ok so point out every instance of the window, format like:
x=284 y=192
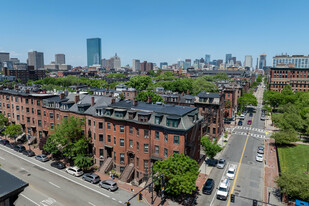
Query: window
x=176 y=152
x=165 y=152
x=51 y=115
x=108 y=138
x=89 y=122
x=137 y=132
x=122 y=129
x=176 y=139
x=114 y=127
x=28 y=119
x=101 y=152
x=108 y=125
x=9 y=116
x=146 y=133
x=17 y=117
x=137 y=146
x=16 y=99
x=146 y=164
x=58 y=116
x=39 y=112
x=52 y=125
x=32 y=110
x=44 y=113
x=32 y=119
x=27 y=109
x=114 y=140
x=101 y=137
x=122 y=142
x=115 y=157
x=214 y=130
x=38 y=102
x=131 y=143
x=131 y=130
x=157 y=134
x=137 y=162
x=17 y=108
x=156 y=149
x=146 y=148
x=165 y=137
x=157 y=120
x=122 y=169
x=172 y=122
x=94 y=136
x=121 y=157
x=27 y=101
x=100 y=125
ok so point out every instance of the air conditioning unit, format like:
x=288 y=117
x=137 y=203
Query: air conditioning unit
x=101 y=157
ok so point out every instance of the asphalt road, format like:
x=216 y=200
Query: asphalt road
x=250 y=178
x=50 y=186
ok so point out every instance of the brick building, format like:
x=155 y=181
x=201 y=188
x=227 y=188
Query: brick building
x=279 y=77
x=128 y=136
x=25 y=74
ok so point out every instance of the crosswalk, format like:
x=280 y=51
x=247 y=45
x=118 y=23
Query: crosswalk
x=250 y=129
x=251 y=135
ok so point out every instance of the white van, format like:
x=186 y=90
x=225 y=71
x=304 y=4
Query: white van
x=224 y=189
x=242 y=117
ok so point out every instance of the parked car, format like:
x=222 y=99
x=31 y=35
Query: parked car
x=212 y=162
x=42 y=158
x=75 y=171
x=109 y=185
x=259 y=158
x=58 y=165
x=239 y=123
x=231 y=172
x=249 y=122
x=250 y=114
x=93 y=178
x=208 y=186
x=260 y=150
x=19 y=148
x=242 y=116
x=11 y=145
x=4 y=141
x=29 y=153
x=263 y=118
x=221 y=164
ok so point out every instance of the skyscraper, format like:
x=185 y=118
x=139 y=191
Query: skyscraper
x=36 y=59
x=207 y=58
x=59 y=59
x=248 y=61
x=262 y=62
x=163 y=64
x=93 y=51
x=117 y=62
x=4 y=57
x=136 y=65
x=228 y=57
x=188 y=62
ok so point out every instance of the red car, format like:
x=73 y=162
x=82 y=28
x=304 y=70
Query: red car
x=249 y=122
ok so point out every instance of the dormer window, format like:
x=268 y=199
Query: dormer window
x=172 y=121
x=158 y=119
x=143 y=118
x=119 y=114
x=99 y=112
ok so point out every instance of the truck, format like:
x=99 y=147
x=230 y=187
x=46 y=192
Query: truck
x=224 y=189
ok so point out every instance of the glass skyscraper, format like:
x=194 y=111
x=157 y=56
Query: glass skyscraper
x=228 y=57
x=207 y=58
x=93 y=51
x=262 y=61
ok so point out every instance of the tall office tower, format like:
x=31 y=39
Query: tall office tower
x=188 y=61
x=219 y=62
x=234 y=60
x=248 y=61
x=36 y=59
x=4 y=57
x=136 y=65
x=104 y=63
x=228 y=57
x=93 y=51
x=180 y=64
x=117 y=62
x=202 y=60
x=207 y=58
x=143 y=66
x=59 y=59
x=299 y=61
x=262 y=62
x=196 y=63
x=163 y=64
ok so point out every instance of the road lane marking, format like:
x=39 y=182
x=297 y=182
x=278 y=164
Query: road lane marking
x=2 y=158
x=55 y=173
x=120 y=202
x=235 y=180
x=53 y=184
x=30 y=200
x=91 y=204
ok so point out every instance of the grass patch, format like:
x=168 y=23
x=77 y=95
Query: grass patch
x=294 y=159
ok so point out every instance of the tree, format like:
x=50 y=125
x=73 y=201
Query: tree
x=245 y=100
x=83 y=161
x=202 y=85
x=285 y=137
x=121 y=95
x=179 y=172
x=116 y=75
x=294 y=185
x=3 y=121
x=13 y=130
x=143 y=96
x=210 y=148
x=139 y=82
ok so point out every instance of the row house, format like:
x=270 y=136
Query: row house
x=128 y=136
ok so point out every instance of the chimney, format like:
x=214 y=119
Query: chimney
x=149 y=99
x=76 y=98
x=92 y=101
x=62 y=95
x=113 y=100
x=188 y=91
x=135 y=102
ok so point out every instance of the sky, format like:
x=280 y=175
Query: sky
x=155 y=30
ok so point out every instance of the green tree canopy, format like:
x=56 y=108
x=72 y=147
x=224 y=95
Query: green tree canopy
x=139 y=82
x=143 y=96
x=202 y=85
x=13 y=130
x=83 y=161
x=210 y=148
x=116 y=75
x=285 y=137
x=246 y=100
x=3 y=120
x=180 y=173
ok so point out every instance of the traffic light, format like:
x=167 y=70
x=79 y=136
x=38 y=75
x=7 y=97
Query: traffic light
x=232 y=198
x=128 y=203
x=140 y=196
x=255 y=202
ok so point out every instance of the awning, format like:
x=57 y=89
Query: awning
x=108 y=146
x=155 y=158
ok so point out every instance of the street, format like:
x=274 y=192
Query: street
x=241 y=150
x=50 y=186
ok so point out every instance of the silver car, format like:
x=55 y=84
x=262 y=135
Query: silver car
x=42 y=158
x=221 y=164
x=109 y=185
x=93 y=178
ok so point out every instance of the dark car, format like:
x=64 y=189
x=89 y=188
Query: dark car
x=208 y=186
x=212 y=162
x=29 y=153
x=19 y=148
x=249 y=122
x=109 y=185
x=4 y=141
x=250 y=114
x=240 y=123
x=58 y=165
x=11 y=145
x=93 y=178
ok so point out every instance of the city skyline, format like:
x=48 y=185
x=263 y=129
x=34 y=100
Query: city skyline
x=158 y=38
